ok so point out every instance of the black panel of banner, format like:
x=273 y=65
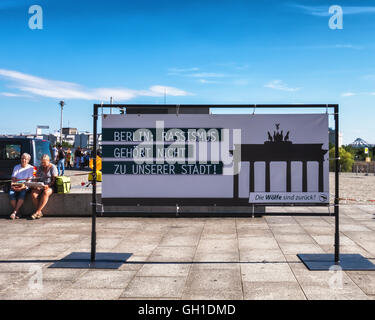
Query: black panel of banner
x=131 y=167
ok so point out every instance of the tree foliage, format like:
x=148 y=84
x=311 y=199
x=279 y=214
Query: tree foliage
x=346 y=160
x=66 y=145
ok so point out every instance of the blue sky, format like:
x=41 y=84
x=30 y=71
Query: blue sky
x=222 y=51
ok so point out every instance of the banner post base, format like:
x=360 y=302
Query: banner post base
x=82 y=260
x=353 y=262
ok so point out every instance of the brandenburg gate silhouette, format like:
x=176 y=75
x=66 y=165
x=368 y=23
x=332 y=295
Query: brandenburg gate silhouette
x=279 y=148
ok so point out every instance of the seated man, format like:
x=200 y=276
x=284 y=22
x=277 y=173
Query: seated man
x=21 y=172
x=46 y=173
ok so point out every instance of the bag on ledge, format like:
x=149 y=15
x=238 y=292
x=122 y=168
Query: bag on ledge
x=63 y=184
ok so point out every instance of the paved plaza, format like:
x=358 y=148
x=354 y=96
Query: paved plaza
x=188 y=258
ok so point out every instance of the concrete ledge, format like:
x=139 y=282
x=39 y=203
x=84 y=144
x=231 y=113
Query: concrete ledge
x=71 y=204
x=79 y=205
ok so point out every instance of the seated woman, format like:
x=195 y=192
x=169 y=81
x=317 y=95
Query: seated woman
x=21 y=173
x=46 y=173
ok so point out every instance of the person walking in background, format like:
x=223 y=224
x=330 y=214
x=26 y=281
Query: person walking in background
x=17 y=193
x=68 y=159
x=82 y=161
x=77 y=157
x=54 y=154
x=86 y=159
x=60 y=160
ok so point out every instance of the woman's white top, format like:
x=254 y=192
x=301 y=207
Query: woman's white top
x=23 y=173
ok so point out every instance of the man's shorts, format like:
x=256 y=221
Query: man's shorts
x=20 y=195
x=54 y=190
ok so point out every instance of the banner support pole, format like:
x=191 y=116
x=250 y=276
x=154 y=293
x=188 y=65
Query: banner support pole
x=94 y=152
x=337 y=165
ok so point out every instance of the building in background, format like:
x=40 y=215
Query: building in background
x=40 y=135
x=69 y=131
x=39 y=129
x=76 y=138
x=50 y=137
x=68 y=135
x=332 y=137
x=83 y=140
x=72 y=136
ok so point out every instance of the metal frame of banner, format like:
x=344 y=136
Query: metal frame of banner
x=311 y=261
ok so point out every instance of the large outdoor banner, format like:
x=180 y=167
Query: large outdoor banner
x=195 y=159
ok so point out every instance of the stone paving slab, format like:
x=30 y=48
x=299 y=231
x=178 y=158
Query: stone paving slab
x=104 y=279
x=24 y=291
x=172 y=269
x=182 y=258
x=214 y=283
x=90 y=294
x=155 y=287
x=267 y=272
x=259 y=255
x=364 y=280
x=271 y=291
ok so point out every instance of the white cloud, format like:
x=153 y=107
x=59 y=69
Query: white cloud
x=119 y=94
x=348 y=46
x=236 y=82
x=358 y=10
x=348 y=94
x=212 y=77
x=351 y=94
x=183 y=69
x=280 y=85
x=157 y=91
x=205 y=81
x=241 y=82
x=322 y=11
x=192 y=72
x=68 y=90
x=207 y=75
x=10 y=94
x=234 y=65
